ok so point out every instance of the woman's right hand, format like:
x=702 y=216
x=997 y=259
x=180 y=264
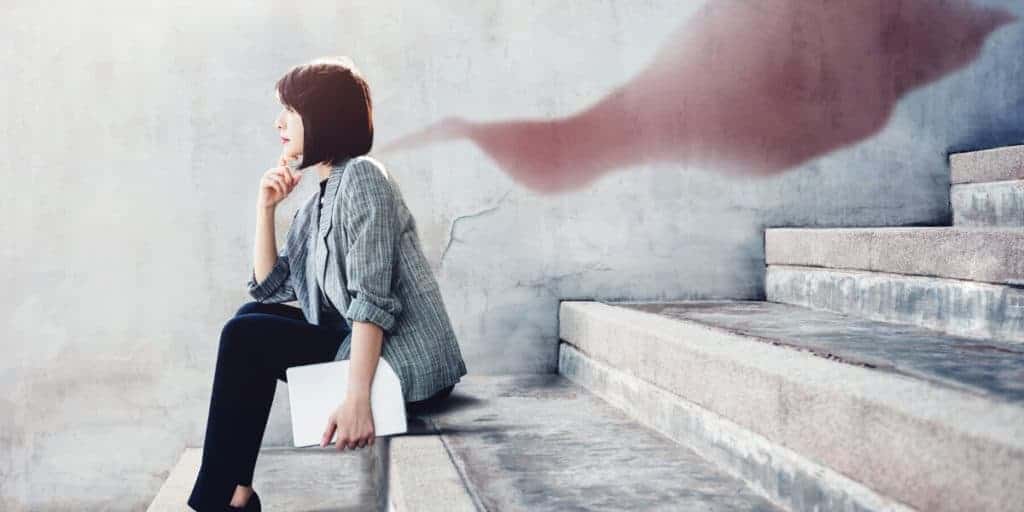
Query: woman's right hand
x=277 y=183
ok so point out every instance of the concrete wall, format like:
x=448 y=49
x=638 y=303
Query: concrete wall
x=134 y=136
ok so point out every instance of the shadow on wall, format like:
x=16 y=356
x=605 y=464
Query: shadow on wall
x=744 y=88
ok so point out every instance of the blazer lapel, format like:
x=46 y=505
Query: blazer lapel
x=324 y=223
x=299 y=240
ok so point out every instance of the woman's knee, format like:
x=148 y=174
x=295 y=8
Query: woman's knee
x=249 y=307
x=237 y=331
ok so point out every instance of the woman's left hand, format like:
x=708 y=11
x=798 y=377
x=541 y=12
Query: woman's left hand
x=353 y=422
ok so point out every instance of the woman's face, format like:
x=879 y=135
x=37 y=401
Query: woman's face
x=289 y=128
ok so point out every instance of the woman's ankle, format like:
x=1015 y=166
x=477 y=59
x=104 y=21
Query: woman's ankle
x=241 y=496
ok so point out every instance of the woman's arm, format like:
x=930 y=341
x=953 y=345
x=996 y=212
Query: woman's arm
x=269 y=279
x=367 y=343
x=371 y=222
x=265 y=250
x=353 y=419
x=371 y=225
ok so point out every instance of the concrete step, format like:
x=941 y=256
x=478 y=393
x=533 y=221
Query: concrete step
x=421 y=474
x=988 y=255
x=964 y=308
x=996 y=164
x=818 y=411
x=298 y=479
x=996 y=203
x=539 y=442
x=512 y=442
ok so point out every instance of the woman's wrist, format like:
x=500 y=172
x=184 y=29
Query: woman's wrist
x=359 y=393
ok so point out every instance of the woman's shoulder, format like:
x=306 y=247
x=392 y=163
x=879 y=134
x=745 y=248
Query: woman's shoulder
x=365 y=174
x=365 y=167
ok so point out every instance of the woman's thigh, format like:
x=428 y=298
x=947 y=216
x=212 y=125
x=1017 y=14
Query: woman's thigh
x=271 y=309
x=276 y=341
x=429 y=403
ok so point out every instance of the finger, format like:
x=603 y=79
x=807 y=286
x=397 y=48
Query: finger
x=280 y=185
x=291 y=178
x=328 y=432
x=282 y=175
x=340 y=441
x=271 y=184
x=268 y=181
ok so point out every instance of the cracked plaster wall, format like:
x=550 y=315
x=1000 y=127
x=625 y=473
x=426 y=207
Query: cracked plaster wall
x=135 y=136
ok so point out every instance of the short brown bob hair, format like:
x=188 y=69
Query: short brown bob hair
x=333 y=99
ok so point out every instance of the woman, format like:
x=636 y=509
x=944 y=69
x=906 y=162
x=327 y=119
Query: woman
x=354 y=263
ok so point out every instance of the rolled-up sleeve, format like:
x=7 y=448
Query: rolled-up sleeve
x=371 y=224
x=274 y=288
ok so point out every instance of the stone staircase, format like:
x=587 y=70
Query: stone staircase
x=885 y=371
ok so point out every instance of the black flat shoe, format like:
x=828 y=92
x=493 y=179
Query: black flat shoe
x=253 y=505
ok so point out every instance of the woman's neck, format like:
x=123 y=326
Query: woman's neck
x=322 y=170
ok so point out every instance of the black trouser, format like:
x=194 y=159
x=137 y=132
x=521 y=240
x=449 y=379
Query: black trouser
x=256 y=347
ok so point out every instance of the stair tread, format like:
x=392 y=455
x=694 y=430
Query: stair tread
x=988 y=368
x=286 y=478
x=984 y=165
x=542 y=442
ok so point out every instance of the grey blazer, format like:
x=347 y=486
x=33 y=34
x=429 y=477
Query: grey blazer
x=364 y=253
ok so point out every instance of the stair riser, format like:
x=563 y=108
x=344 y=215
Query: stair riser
x=895 y=435
x=421 y=476
x=962 y=308
x=777 y=473
x=997 y=204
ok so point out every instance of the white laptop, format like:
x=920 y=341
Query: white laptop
x=316 y=390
